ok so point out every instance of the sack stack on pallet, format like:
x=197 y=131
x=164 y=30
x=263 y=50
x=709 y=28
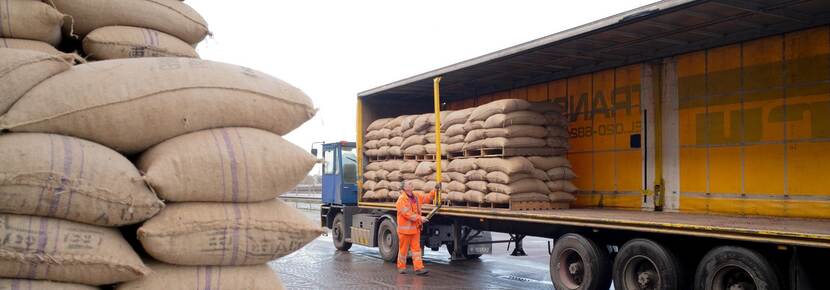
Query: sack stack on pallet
x=482 y=169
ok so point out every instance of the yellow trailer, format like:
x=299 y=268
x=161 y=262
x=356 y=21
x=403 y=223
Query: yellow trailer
x=699 y=131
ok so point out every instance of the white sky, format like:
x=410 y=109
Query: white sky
x=334 y=49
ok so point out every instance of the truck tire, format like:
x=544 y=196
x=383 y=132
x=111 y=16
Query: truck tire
x=644 y=264
x=726 y=267
x=388 y=241
x=577 y=263
x=338 y=233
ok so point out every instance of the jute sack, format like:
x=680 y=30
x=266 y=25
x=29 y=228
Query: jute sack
x=557 y=142
x=474 y=145
x=498 y=107
x=559 y=196
x=396 y=141
x=453 y=139
x=430 y=138
x=21 y=70
x=395 y=151
x=383 y=184
x=172 y=277
x=396 y=132
x=394 y=180
x=475 y=135
x=59 y=250
x=462 y=165
x=415 y=150
x=504 y=178
x=529 y=196
x=433 y=149
x=514 y=142
x=369 y=184
x=517 y=131
x=395 y=122
x=409 y=176
x=559 y=173
x=225 y=165
x=168 y=16
x=28 y=19
x=456 y=130
x=112 y=42
x=422 y=122
x=509 y=165
x=477 y=185
x=457 y=176
x=455 y=147
x=383 y=142
x=548 y=162
x=424 y=168
x=496 y=197
x=378 y=124
x=476 y=175
x=29 y=45
x=382 y=193
x=521 y=186
x=373 y=166
x=515 y=118
x=369 y=195
x=227 y=234
x=14 y=284
x=394 y=194
x=456 y=196
x=381 y=173
x=73 y=179
x=142 y=102
x=557 y=131
x=383 y=151
x=416 y=183
x=391 y=165
x=371 y=144
x=474 y=196
x=412 y=141
x=556 y=119
x=561 y=185
x=407 y=122
x=456 y=118
x=469 y=126
x=457 y=186
x=540 y=175
x=409 y=166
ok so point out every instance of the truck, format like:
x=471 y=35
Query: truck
x=698 y=130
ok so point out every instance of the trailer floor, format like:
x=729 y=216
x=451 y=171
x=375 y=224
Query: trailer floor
x=320 y=266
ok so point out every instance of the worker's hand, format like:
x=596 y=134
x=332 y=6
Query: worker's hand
x=438 y=186
x=424 y=220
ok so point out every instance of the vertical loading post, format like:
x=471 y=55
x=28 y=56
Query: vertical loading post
x=437 y=104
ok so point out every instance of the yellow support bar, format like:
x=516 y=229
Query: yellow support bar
x=359 y=150
x=437 y=103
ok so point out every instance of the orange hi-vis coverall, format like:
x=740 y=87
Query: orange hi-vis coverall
x=409 y=227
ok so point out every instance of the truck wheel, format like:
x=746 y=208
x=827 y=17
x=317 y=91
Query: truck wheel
x=577 y=263
x=643 y=264
x=338 y=233
x=729 y=267
x=388 y=241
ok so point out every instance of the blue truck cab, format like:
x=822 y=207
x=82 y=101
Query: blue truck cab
x=340 y=173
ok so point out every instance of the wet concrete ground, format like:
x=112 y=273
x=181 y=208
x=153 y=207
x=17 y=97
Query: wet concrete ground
x=320 y=266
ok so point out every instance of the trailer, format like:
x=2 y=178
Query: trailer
x=699 y=131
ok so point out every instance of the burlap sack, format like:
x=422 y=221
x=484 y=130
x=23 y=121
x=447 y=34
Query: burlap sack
x=228 y=234
x=558 y=142
x=548 y=162
x=132 y=104
x=225 y=165
x=15 y=284
x=28 y=19
x=515 y=142
x=415 y=150
x=456 y=130
x=391 y=165
x=444 y=165
x=395 y=122
x=474 y=145
x=540 y=174
x=469 y=126
x=422 y=122
x=520 y=186
x=59 y=250
x=409 y=176
x=373 y=135
x=369 y=195
x=168 y=16
x=373 y=166
x=396 y=141
x=371 y=144
x=496 y=197
x=455 y=147
x=476 y=175
x=455 y=196
x=396 y=183
x=443 y=116
x=498 y=107
x=378 y=124
x=407 y=122
x=394 y=176
x=417 y=184
x=383 y=142
x=370 y=175
x=172 y=277
x=430 y=138
x=383 y=133
x=559 y=196
x=113 y=42
x=453 y=139
x=517 y=131
x=29 y=45
x=382 y=193
x=408 y=166
x=561 y=185
x=457 y=176
x=74 y=179
x=509 y=165
x=394 y=194
x=559 y=173
x=21 y=70
x=396 y=132
x=474 y=196
x=382 y=151
x=395 y=151
x=412 y=141
x=383 y=184
x=504 y=178
x=515 y=118
x=425 y=168
x=462 y=165
x=369 y=184
x=433 y=149
x=456 y=118
x=410 y=133
x=457 y=186
x=428 y=186
x=529 y=196
x=444 y=177
x=557 y=131
x=477 y=185
x=381 y=173
x=556 y=119
x=475 y=135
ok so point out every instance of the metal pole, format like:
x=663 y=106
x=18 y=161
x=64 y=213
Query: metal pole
x=437 y=103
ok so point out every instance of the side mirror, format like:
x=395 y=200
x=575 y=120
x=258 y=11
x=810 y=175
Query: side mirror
x=314 y=152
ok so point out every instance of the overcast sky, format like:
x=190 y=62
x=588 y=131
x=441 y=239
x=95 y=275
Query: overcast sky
x=334 y=49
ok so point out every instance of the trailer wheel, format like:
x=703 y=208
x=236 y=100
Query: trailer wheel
x=338 y=233
x=451 y=248
x=388 y=241
x=577 y=263
x=729 y=267
x=643 y=264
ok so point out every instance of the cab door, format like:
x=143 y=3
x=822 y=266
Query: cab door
x=331 y=173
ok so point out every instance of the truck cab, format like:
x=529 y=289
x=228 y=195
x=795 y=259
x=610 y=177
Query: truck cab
x=350 y=223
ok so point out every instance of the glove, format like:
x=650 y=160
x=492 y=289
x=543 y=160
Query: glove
x=438 y=186
x=424 y=220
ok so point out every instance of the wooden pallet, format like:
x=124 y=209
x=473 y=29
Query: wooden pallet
x=537 y=205
x=507 y=152
x=454 y=155
x=410 y=157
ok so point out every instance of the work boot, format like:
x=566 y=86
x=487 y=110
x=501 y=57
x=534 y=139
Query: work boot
x=402 y=271
x=421 y=272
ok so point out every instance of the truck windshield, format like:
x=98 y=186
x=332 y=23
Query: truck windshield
x=349 y=165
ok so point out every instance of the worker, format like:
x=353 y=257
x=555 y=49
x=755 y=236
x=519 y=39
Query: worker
x=410 y=223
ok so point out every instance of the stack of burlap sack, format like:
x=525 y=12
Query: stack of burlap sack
x=107 y=29
x=405 y=134
x=206 y=136
x=510 y=123
x=384 y=180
